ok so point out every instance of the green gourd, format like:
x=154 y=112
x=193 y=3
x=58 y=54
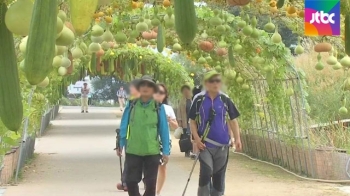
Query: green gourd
x=40 y=49
x=11 y=108
x=185 y=20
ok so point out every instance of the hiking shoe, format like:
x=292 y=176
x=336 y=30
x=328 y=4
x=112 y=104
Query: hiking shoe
x=82 y=111
x=121 y=187
x=193 y=156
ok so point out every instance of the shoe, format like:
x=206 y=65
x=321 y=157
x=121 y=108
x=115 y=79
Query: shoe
x=193 y=156
x=87 y=112
x=82 y=111
x=120 y=187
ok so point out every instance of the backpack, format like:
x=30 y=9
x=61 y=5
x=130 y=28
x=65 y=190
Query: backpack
x=132 y=105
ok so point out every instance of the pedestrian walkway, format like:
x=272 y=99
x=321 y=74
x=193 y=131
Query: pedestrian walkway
x=76 y=158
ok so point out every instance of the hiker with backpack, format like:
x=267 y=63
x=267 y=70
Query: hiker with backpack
x=134 y=94
x=144 y=125
x=212 y=115
x=162 y=97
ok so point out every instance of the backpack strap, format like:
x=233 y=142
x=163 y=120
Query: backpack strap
x=198 y=105
x=131 y=113
x=157 y=108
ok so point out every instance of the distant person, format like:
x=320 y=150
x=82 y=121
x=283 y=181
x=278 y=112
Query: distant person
x=182 y=116
x=162 y=97
x=121 y=94
x=144 y=125
x=84 y=98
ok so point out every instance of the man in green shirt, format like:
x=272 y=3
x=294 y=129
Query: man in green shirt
x=143 y=126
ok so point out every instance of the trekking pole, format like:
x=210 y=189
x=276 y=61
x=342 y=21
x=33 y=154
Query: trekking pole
x=120 y=158
x=204 y=136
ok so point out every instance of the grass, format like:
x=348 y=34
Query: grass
x=325 y=94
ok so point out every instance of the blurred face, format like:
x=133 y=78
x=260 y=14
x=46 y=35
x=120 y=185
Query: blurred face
x=160 y=95
x=186 y=92
x=121 y=88
x=85 y=85
x=146 y=89
x=134 y=92
x=213 y=84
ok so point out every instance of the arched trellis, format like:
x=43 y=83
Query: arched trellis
x=130 y=62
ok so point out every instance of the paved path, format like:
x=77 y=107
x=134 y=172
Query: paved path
x=76 y=158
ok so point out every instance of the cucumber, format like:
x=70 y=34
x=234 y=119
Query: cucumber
x=280 y=3
x=347 y=34
x=231 y=59
x=160 y=38
x=93 y=63
x=185 y=20
x=11 y=108
x=40 y=49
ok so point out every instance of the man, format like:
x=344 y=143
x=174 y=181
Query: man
x=121 y=94
x=84 y=98
x=211 y=115
x=134 y=94
x=144 y=122
x=182 y=113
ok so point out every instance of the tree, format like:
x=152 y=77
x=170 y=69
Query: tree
x=105 y=88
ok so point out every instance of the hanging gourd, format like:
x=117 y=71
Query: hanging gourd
x=81 y=12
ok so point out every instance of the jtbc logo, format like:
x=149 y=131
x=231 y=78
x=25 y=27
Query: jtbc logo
x=322 y=18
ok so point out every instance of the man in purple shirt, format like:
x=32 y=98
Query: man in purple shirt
x=211 y=115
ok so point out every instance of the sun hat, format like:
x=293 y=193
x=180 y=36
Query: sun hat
x=147 y=79
x=210 y=74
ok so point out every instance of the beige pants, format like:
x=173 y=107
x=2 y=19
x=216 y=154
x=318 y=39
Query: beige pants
x=84 y=104
x=121 y=103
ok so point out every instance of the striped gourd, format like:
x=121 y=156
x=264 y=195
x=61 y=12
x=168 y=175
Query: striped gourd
x=11 y=108
x=185 y=20
x=40 y=49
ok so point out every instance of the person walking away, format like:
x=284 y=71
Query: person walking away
x=84 y=98
x=211 y=115
x=121 y=94
x=162 y=97
x=182 y=114
x=134 y=94
x=143 y=125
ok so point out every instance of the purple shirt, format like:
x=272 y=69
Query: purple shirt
x=219 y=131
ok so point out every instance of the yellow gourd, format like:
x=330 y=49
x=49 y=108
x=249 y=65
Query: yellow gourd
x=82 y=12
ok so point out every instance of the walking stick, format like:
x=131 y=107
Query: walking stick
x=120 y=158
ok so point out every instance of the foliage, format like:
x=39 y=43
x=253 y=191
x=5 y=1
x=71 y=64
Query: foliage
x=106 y=88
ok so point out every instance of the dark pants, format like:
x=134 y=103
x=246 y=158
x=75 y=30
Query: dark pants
x=148 y=165
x=124 y=173
x=213 y=163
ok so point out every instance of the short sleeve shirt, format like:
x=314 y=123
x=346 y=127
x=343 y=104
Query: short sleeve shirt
x=218 y=131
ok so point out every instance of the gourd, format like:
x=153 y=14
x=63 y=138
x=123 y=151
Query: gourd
x=185 y=20
x=280 y=4
x=93 y=62
x=41 y=41
x=230 y=56
x=323 y=47
x=18 y=17
x=81 y=12
x=66 y=38
x=11 y=108
x=160 y=38
x=347 y=34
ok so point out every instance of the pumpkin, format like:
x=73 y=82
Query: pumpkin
x=148 y=35
x=238 y=2
x=221 y=51
x=100 y=53
x=206 y=46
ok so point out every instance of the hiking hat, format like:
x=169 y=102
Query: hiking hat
x=210 y=74
x=147 y=79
